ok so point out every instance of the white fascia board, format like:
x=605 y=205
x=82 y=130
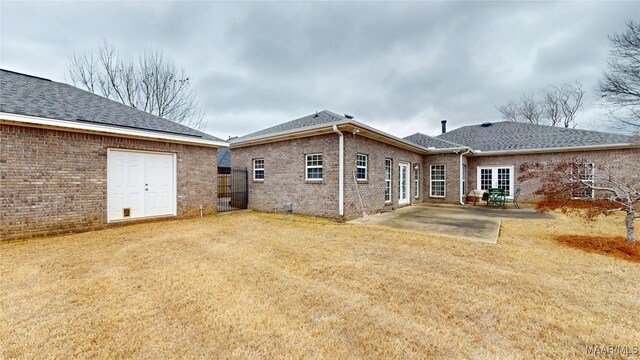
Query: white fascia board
x=329 y=128
x=116 y=131
x=558 y=149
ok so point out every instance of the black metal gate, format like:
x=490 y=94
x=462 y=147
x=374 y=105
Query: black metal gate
x=232 y=189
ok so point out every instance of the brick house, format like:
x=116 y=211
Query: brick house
x=331 y=165
x=74 y=161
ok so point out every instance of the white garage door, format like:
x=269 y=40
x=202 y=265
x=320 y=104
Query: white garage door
x=140 y=184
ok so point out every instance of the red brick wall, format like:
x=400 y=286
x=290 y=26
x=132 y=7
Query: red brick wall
x=452 y=177
x=626 y=162
x=372 y=190
x=285 y=175
x=55 y=182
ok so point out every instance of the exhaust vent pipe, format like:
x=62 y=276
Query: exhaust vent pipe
x=444 y=126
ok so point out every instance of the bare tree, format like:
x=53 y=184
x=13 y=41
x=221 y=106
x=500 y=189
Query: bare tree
x=620 y=87
x=604 y=187
x=531 y=109
x=152 y=84
x=558 y=106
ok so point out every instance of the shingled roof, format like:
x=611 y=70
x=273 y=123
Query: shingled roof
x=431 y=142
x=29 y=95
x=508 y=135
x=324 y=117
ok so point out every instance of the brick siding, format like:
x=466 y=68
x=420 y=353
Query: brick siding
x=284 y=181
x=626 y=160
x=55 y=182
x=284 y=175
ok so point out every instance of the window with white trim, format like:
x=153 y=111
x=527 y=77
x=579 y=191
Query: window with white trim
x=361 y=167
x=388 y=165
x=585 y=181
x=313 y=167
x=258 y=169
x=416 y=175
x=438 y=179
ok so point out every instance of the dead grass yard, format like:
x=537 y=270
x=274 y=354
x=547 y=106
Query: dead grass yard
x=254 y=285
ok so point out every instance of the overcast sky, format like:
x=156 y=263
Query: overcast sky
x=401 y=67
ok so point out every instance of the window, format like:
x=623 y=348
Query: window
x=585 y=180
x=258 y=169
x=387 y=180
x=314 y=167
x=437 y=187
x=416 y=175
x=361 y=167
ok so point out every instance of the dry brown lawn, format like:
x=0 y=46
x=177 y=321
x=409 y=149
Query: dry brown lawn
x=252 y=285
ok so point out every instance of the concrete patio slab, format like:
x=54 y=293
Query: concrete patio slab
x=470 y=222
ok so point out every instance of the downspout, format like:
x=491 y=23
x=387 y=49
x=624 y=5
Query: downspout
x=461 y=194
x=340 y=171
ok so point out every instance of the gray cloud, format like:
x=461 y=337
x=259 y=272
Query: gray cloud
x=398 y=66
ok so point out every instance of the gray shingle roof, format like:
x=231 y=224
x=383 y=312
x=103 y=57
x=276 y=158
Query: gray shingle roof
x=29 y=95
x=429 y=141
x=323 y=117
x=508 y=135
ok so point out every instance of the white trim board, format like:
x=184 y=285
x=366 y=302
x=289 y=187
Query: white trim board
x=106 y=129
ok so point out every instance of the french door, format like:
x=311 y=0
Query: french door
x=403 y=185
x=496 y=177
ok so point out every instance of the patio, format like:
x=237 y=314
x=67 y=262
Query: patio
x=479 y=223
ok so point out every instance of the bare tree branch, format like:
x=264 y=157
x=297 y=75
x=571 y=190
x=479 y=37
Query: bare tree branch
x=152 y=84
x=620 y=86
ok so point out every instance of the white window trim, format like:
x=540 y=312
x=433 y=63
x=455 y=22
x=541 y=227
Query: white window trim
x=389 y=181
x=255 y=169
x=365 y=167
x=416 y=181
x=592 y=181
x=444 y=181
x=307 y=167
x=511 y=178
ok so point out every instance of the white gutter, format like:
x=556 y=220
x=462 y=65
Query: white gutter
x=556 y=149
x=93 y=128
x=340 y=170
x=461 y=192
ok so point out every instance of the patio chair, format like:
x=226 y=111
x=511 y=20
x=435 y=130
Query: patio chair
x=515 y=199
x=496 y=196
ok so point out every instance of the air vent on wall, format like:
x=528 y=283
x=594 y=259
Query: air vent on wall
x=126 y=212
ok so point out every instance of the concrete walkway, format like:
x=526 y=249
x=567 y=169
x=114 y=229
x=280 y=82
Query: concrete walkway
x=479 y=223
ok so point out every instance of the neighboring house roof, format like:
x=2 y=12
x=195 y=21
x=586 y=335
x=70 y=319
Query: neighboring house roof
x=431 y=142
x=511 y=136
x=33 y=96
x=319 y=118
x=224 y=157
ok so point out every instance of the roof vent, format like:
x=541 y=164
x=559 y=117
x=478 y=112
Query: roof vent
x=486 y=124
x=316 y=115
x=348 y=116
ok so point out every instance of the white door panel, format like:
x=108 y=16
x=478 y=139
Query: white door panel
x=403 y=186
x=496 y=177
x=140 y=183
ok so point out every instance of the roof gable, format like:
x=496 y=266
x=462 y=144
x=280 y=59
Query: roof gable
x=431 y=142
x=29 y=95
x=324 y=117
x=508 y=135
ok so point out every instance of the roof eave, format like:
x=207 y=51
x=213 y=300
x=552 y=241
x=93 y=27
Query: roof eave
x=40 y=122
x=557 y=149
x=327 y=128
